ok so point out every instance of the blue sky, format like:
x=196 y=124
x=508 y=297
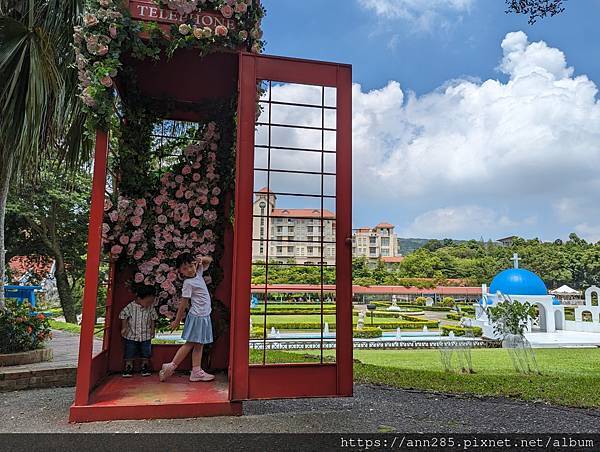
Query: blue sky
x=450 y=53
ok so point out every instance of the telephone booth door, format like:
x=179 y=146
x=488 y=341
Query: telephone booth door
x=292 y=245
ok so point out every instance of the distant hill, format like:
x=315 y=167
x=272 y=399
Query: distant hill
x=407 y=246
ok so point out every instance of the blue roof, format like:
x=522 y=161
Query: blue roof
x=518 y=281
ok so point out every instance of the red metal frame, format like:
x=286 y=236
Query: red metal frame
x=290 y=380
x=98 y=395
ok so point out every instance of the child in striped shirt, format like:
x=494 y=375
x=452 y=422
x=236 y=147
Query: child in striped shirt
x=137 y=329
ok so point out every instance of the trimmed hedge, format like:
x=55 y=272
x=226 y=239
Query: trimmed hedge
x=368 y=333
x=292 y=312
x=458 y=331
x=456 y=316
x=412 y=318
x=391 y=325
x=257 y=333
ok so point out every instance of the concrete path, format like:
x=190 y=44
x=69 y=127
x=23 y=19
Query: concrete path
x=373 y=409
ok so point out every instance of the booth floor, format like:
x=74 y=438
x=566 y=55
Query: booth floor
x=148 y=398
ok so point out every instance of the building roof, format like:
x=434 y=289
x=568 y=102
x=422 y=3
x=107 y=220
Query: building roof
x=518 y=281
x=265 y=190
x=506 y=239
x=392 y=259
x=302 y=213
x=20 y=265
x=384 y=226
x=371 y=290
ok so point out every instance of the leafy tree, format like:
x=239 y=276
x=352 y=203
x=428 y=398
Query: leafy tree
x=49 y=218
x=40 y=113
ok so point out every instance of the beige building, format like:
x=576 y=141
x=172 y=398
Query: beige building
x=379 y=242
x=294 y=235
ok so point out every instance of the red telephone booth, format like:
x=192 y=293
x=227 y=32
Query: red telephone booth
x=297 y=152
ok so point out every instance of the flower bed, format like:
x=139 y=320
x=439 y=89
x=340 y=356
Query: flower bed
x=21 y=331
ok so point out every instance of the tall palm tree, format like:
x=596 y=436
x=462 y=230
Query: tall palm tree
x=39 y=109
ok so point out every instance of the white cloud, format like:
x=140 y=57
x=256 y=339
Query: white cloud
x=475 y=158
x=423 y=15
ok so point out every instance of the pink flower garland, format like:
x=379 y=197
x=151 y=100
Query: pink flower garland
x=151 y=232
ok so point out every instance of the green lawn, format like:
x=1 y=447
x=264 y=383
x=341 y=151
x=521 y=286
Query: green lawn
x=569 y=376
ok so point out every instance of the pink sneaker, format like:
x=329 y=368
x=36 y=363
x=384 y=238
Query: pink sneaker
x=200 y=375
x=166 y=371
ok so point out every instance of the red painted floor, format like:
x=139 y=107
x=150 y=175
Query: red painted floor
x=148 y=391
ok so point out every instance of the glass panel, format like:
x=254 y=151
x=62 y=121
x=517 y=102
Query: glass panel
x=297 y=93
x=295 y=115
x=330 y=97
x=294 y=234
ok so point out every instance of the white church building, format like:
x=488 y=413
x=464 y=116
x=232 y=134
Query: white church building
x=550 y=328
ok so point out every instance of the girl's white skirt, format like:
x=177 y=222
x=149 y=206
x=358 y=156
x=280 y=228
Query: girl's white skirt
x=197 y=329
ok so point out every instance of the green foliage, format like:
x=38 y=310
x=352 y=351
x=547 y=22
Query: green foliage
x=447 y=301
x=257 y=333
x=459 y=331
x=510 y=317
x=21 y=330
x=420 y=301
x=368 y=333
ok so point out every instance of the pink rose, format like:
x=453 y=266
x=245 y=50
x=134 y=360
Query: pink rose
x=116 y=250
x=159 y=200
x=172 y=276
x=160 y=279
x=112 y=30
x=163 y=309
x=114 y=216
x=227 y=11
x=214 y=201
x=179 y=194
x=194 y=223
x=196 y=177
x=208 y=234
x=162 y=219
x=186 y=170
x=124 y=240
x=178 y=179
x=138 y=255
x=185 y=218
x=136 y=221
x=241 y=8
x=105 y=228
x=216 y=191
x=140 y=202
x=198 y=211
x=221 y=30
x=139 y=278
x=189 y=194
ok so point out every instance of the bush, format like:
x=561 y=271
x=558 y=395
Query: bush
x=447 y=301
x=22 y=331
x=421 y=301
x=459 y=331
x=257 y=333
x=437 y=308
x=368 y=333
x=454 y=316
x=467 y=308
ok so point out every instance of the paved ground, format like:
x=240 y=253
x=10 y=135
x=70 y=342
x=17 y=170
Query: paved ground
x=372 y=409
x=65 y=350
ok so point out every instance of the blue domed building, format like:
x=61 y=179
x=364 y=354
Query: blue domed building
x=520 y=285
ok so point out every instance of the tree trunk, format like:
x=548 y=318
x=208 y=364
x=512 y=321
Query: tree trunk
x=5 y=176
x=64 y=291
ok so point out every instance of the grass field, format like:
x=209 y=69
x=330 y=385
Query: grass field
x=568 y=376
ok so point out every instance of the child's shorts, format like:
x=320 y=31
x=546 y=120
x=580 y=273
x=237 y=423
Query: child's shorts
x=137 y=349
x=197 y=329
